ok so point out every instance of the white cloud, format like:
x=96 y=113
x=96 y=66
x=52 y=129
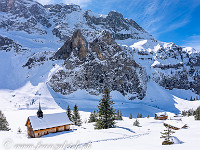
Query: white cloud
x=193 y=41
x=82 y=3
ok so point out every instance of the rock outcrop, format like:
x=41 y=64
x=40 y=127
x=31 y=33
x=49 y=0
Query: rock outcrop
x=7 y=44
x=77 y=44
x=102 y=64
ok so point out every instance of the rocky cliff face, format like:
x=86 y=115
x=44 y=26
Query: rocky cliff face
x=97 y=65
x=21 y=15
x=62 y=20
x=92 y=58
x=77 y=44
x=173 y=66
x=7 y=45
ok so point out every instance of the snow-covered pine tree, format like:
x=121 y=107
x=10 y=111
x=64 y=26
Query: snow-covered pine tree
x=93 y=117
x=106 y=112
x=141 y=115
x=166 y=135
x=76 y=119
x=191 y=98
x=138 y=115
x=136 y=123
x=3 y=122
x=130 y=116
x=197 y=113
x=69 y=113
x=120 y=116
x=117 y=115
x=184 y=113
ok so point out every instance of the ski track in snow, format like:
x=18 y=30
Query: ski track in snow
x=112 y=139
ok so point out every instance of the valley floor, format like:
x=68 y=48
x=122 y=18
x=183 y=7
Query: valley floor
x=124 y=136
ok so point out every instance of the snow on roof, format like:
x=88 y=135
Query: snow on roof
x=175 y=123
x=161 y=113
x=165 y=114
x=49 y=121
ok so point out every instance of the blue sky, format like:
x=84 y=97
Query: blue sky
x=175 y=21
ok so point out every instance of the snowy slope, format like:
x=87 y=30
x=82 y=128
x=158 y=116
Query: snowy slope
x=124 y=136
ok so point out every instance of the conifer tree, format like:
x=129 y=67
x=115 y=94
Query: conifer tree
x=3 y=122
x=69 y=113
x=130 y=116
x=141 y=115
x=93 y=117
x=120 y=116
x=76 y=116
x=138 y=115
x=166 y=135
x=184 y=113
x=106 y=112
x=117 y=116
x=197 y=113
x=191 y=98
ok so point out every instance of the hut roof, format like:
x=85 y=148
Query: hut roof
x=49 y=121
x=174 y=123
x=164 y=114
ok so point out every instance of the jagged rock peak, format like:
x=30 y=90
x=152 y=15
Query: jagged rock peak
x=62 y=7
x=76 y=44
x=104 y=46
x=79 y=44
x=115 y=14
x=102 y=64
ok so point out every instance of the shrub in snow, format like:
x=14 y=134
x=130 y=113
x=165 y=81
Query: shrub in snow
x=136 y=123
x=106 y=112
x=19 y=130
x=167 y=136
x=197 y=113
x=3 y=122
x=131 y=116
x=190 y=112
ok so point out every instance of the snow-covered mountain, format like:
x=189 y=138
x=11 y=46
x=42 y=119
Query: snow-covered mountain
x=64 y=49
